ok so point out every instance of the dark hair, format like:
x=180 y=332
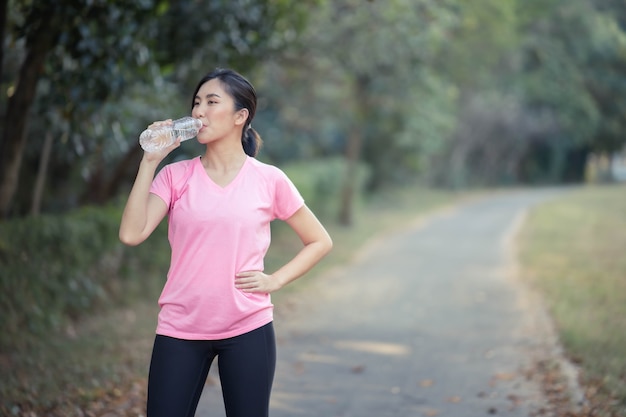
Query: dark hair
x=244 y=95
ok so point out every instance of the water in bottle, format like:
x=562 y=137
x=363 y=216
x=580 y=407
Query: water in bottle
x=158 y=138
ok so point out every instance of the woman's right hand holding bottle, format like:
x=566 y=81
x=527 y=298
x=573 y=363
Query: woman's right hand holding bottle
x=159 y=155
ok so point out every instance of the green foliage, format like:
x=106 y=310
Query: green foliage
x=413 y=81
x=57 y=268
x=320 y=182
x=555 y=52
x=235 y=33
x=553 y=66
x=480 y=42
x=606 y=82
x=368 y=90
x=95 y=52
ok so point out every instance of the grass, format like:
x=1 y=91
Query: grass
x=88 y=361
x=573 y=250
x=92 y=364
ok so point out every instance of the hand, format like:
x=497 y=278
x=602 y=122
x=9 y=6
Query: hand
x=255 y=282
x=160 y=155
x=160 y=123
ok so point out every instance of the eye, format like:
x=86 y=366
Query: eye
x=195 y=103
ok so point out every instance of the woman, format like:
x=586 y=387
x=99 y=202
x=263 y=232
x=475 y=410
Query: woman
x=216 y=301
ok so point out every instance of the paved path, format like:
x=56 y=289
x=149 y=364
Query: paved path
x=429 y=321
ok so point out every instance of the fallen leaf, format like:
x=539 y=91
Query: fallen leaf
x=504 y=376
x=431 y=412
x=514 y=399
x=456 y=399
x=358 y=369
x=425 y=383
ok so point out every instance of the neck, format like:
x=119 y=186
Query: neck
x=223 y=159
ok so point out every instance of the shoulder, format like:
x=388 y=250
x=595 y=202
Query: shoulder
x=286 y=197
x=265 y=170
x=181 y=166
x=175 y=173
x=276 y=180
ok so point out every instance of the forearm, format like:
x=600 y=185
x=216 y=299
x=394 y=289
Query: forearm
x=135 y=215
x=303 y=262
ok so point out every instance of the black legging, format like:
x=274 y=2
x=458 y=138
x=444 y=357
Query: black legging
x=179 y=368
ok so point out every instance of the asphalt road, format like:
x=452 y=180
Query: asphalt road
x=429 y=321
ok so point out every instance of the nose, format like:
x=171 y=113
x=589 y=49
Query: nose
x=198 y=111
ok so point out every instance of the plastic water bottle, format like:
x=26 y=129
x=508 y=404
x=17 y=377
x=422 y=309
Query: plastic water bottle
x=158 y=138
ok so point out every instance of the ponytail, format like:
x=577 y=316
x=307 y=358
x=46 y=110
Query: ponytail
x=251 y=141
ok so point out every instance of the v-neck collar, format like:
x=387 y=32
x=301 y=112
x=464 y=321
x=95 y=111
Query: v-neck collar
x=231 y=183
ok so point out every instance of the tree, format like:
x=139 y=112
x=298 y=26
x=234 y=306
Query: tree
x=605 y=79
x=571 y=66
x=83 y=54
x=363 y=92
x=39 y=41
x=46 y=27
x=537 y=83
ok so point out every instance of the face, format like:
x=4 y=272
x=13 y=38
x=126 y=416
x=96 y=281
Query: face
x=216 y=109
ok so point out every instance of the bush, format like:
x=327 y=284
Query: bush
x=55 y=268
x=320 y=182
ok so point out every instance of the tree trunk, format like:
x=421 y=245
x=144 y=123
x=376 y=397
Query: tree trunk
x=42 y=173
x=18 y=107
x=100 y=189
x=353 y=153
x=125 y=169
x=457 y=167
x=351 y=176
x=3 y=24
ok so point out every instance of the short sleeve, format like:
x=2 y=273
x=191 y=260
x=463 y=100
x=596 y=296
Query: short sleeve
x=287 y=198
x=170 y=183
x=162 y=185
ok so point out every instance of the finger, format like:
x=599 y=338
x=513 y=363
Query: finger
x=246 y=287
x=160 y=123
x=244 y=274
x=245 y=281
x=176 y=144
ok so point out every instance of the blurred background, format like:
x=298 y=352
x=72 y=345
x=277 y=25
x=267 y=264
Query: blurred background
x=446 y=93
x=356 y=98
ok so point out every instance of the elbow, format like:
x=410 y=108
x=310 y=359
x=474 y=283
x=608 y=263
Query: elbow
x=321 y=246
x=328 y=245
x=128 y=240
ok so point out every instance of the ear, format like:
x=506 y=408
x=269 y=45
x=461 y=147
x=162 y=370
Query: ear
x=241 y=116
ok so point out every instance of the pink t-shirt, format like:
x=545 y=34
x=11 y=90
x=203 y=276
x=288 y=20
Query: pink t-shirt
x=216 y=232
